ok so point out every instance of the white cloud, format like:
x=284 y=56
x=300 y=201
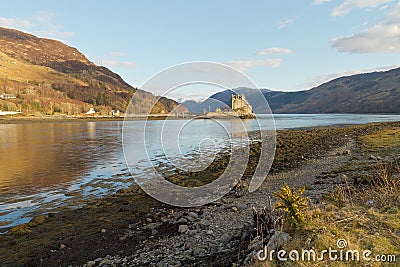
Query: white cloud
x=345 y=7
x=117 y=64
x=341 y=9
x=326 y=78
x=318 y=2
x=54 y=34
x=274 y=51
x=380 y=38
x=116 y=54
x=46 y=27
x=285 y=23
x=42 y=25
x=244 y=65
x=15 y=23
x=113 y=60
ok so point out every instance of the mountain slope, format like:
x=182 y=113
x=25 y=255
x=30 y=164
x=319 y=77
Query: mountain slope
x=50 y=77
x=377 y=92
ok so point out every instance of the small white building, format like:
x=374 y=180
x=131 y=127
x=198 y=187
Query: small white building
x=115 y=113
x=5 y=96
x=91 y=111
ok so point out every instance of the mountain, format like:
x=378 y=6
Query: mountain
x=223 y=99
x=49 y=77
x=377 y=92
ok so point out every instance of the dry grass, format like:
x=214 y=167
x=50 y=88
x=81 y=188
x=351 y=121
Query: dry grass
x=16 y=70
x=383 y=139
x=368 y=218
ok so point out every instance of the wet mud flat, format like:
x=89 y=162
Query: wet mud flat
x=76 y=236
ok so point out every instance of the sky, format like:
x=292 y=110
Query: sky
x=281 y=45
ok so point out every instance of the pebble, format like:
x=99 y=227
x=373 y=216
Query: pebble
x=370 y=203
x=346 y=152
x=181 y=221
x=193 y=215
x=241 y=207
x=183 y=228
x=103 y=230
x=191 y=219
x=152 y=226
x=234 y=209
x=204 y=223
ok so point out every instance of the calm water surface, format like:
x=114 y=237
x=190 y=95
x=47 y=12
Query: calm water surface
x=46 y=166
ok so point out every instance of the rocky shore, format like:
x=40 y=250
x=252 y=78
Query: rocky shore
x=130 y=228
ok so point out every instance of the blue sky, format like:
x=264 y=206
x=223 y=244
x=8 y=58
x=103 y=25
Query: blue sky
x=283 y=45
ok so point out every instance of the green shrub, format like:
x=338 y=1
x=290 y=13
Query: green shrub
x=293 y=204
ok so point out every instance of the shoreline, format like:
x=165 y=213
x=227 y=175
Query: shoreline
x=81 y=230
x=88 y=118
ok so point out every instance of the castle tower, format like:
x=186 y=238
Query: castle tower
x=240 y=105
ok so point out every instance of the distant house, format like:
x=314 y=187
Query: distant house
x=115 y=113
x=5 y=96
x=91 y=111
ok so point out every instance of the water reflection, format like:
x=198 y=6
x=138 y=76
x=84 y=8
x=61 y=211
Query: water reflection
x=43 y=155
x=41 y=163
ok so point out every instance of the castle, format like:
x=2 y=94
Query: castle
x=239 y=108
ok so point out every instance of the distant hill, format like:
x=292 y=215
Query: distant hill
x=377 y=92
x=49 y=77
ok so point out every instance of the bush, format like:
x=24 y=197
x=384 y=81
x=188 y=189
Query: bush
x=293 y=204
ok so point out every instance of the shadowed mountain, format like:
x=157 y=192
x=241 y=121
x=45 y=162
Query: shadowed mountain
x=377 y=92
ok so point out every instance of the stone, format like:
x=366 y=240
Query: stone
x=90 y=264
x=372 y=157
x=204 y=223
x=241 y=207
x=255 y=244
x=234 y=209
x=149 y=220
x=210 y=232
x=103 y=230
x=152 y=226
x=340 y=179
x=193 y=215
x=370 y=203
x=183 y=228
x=346 y=152
x=62 y=246
x=37 y=220
x=181 y=221
x=191 y=219
x=277 y=240
x=226 y=238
